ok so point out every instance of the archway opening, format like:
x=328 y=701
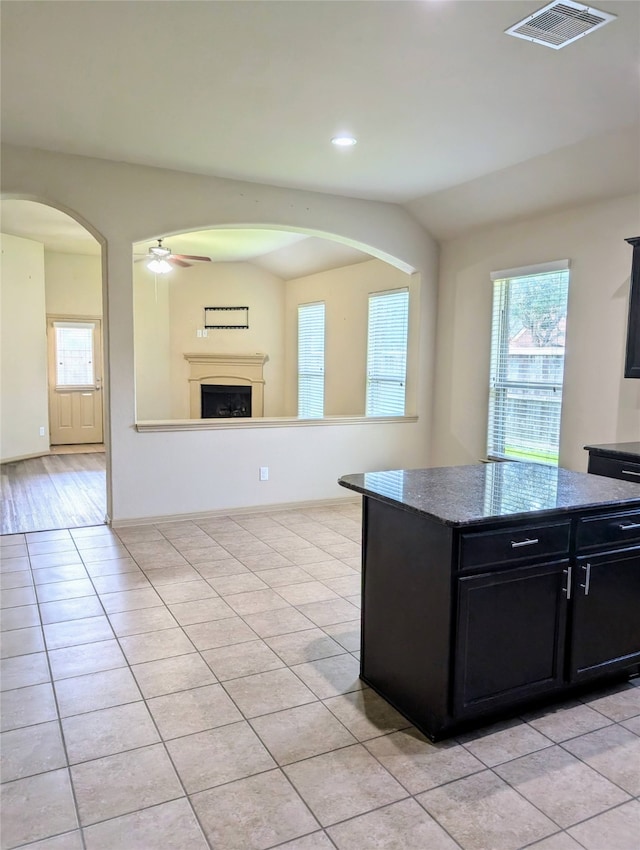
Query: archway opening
x=52 y=390
x=230 y=294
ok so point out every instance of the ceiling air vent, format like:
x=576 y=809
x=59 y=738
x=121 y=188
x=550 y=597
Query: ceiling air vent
x=558 y=24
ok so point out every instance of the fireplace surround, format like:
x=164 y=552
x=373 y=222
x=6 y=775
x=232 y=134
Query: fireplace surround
x=231 y=370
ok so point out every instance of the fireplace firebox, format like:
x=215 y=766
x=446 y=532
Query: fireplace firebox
x=220 y=401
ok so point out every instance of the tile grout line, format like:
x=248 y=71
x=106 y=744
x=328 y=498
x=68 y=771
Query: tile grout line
x=161 y=740
x=247 y=720
x=287 y=666
x=59 y=720
x=244 y=720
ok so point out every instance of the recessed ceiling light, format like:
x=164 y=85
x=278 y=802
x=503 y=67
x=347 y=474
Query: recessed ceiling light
x=343 y=141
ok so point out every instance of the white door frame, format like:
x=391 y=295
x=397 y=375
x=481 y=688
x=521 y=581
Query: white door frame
x=99 y=355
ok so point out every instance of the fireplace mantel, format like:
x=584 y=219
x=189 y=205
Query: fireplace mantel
x=226 y=370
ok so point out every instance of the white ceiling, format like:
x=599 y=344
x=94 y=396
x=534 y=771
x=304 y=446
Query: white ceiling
x=284 y=254
x=56 y=230
x=454 y=119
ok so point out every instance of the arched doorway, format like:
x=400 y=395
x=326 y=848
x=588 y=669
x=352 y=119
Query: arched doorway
x=52 y=450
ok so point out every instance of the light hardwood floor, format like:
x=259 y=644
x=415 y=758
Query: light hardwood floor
x=56 y=491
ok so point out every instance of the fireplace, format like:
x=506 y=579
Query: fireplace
x=235 y=375
x=220 y=401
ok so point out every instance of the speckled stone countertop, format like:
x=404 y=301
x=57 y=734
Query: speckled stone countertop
x=619 y=451
x=486 y=492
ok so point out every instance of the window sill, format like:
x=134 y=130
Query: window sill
x=266 y=422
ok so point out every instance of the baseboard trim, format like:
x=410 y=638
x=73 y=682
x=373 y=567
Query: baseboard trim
x=25 y=457
x=254 y=509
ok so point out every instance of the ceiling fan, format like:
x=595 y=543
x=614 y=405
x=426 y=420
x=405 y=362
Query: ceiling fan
x=160 y=259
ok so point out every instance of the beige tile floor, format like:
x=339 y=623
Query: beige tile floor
x=188 y=685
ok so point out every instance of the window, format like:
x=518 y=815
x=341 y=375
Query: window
x=527 y=363
x=387 y=353
x=311 y=360
x=74 y=354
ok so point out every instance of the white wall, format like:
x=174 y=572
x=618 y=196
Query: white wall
x=226 y=285
x=73 y=284
x=169 y=310
x=600 y=406
x=23 y=350
x=152 y=328
x=173 y=473
x=345 y=292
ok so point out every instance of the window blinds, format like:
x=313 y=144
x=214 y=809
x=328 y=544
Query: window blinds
x=527 y=366
x=74 y=354
x=311 y=360
x=387 y=353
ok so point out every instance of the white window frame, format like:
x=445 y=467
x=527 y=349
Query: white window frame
x=537 y=437
x=387 y=353
x=85 y=366
x=311 y=359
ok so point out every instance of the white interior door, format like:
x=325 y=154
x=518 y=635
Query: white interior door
x=75 y=381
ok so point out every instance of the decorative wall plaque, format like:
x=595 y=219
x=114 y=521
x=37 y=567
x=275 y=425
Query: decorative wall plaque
x=217 y=318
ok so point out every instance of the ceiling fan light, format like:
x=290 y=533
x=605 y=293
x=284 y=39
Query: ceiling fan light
x=159 y=266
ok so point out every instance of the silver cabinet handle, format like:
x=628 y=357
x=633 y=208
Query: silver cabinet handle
x=587 y=578
x=630 y=472
x=567 y=589
x=516 y=544
x=630 y=526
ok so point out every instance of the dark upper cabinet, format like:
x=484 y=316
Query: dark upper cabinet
x=632 y=362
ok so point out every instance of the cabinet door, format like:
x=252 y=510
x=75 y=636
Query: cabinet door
x=605 y=627
x=510 y=641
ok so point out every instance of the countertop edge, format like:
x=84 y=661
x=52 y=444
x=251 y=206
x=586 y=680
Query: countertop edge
x=614 y=452
x=623 y=504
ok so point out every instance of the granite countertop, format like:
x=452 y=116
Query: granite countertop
x=485 y=492
x=621 y=451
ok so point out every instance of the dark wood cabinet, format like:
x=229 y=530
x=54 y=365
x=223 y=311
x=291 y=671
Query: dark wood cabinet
x=510 y=636
x=606 y=615
x=489 y=588
x=462 y=625
x=605 y=625
x=407 y=617
x=615 y=460
x=632 y=360
x=614 y=468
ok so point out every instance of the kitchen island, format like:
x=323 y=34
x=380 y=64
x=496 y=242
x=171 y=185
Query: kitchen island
x=486 y=588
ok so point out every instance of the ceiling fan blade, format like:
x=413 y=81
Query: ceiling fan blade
x=175 y=261
x=192 y=257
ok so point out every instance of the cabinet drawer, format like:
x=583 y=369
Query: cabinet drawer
x=624 y=469
x=514 y=544
x=612 y=530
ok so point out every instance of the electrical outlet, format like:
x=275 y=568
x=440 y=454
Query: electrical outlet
x=264 y=473
x=42 y=430
x=205 y=332
x=198 y=332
